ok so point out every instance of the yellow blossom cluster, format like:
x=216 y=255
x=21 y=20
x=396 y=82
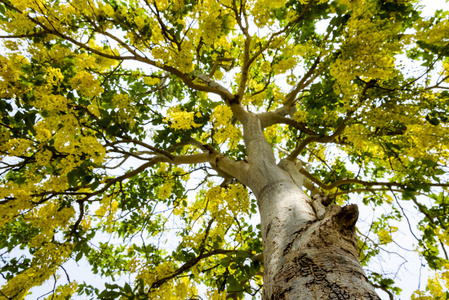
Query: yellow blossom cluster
x=216 y=295
x=176 y=288
x=364 y=52
x=86 y=84
x=106 y=213
x=124 y=109
x=180 y=119
x=222 y=203
x=22 y=202
x=10 y=70
x=261 y=11
x=212 y=20
x=162 y=4
x=285 y=65
x=64 y=291
x=385 y=234
x=43 y=157
x=21 y=24
x=436 y=35
x=107 y=206
x=51 y=103
x=66 y=139
x=224 y=129
x=183 y=59
x=436 y=287
x=105 y=9
x=55 y=183
x=210 y=24
x=48 y=218
x=151 y=80
x=17 y=147
x=274 y=134
x=46 y=261
x=165 y=190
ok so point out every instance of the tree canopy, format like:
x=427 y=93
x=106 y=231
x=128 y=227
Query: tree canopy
x=132 y=119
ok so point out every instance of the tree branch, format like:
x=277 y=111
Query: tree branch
x=65 y=37
x=189 y=264
x=320 y=139
x=358 y=181
x=246 y=50
x=24 y=35
x=211 y=86
x=271 y=118
x=337 y=132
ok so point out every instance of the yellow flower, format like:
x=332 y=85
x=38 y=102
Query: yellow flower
x=43 y=157
x=180 y=120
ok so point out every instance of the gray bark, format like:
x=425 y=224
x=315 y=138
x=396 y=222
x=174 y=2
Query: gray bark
x=310 y=251
x=308 y=256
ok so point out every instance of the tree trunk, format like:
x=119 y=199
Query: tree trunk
x=310 y=252
x=306 y=257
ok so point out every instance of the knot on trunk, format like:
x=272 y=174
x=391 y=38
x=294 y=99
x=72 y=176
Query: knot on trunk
x=348 y=216
x=343 y=218
x=323 y=199
x=319 y=203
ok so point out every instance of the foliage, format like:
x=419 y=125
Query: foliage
x=124 y=119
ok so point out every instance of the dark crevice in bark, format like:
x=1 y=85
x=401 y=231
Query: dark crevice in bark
x=283 y=294
x=268 y=229
x=288 y=248
x=295 y=234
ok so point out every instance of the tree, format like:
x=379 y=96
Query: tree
x=182 y=120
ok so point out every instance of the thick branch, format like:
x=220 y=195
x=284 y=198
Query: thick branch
x=218 y=62
x=259 y=150
x=213 y=84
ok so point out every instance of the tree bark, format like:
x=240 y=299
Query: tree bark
x=306 y=257
x=308 y=253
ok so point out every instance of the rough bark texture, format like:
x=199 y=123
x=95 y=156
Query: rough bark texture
x=310 y=252
x=306 y=257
